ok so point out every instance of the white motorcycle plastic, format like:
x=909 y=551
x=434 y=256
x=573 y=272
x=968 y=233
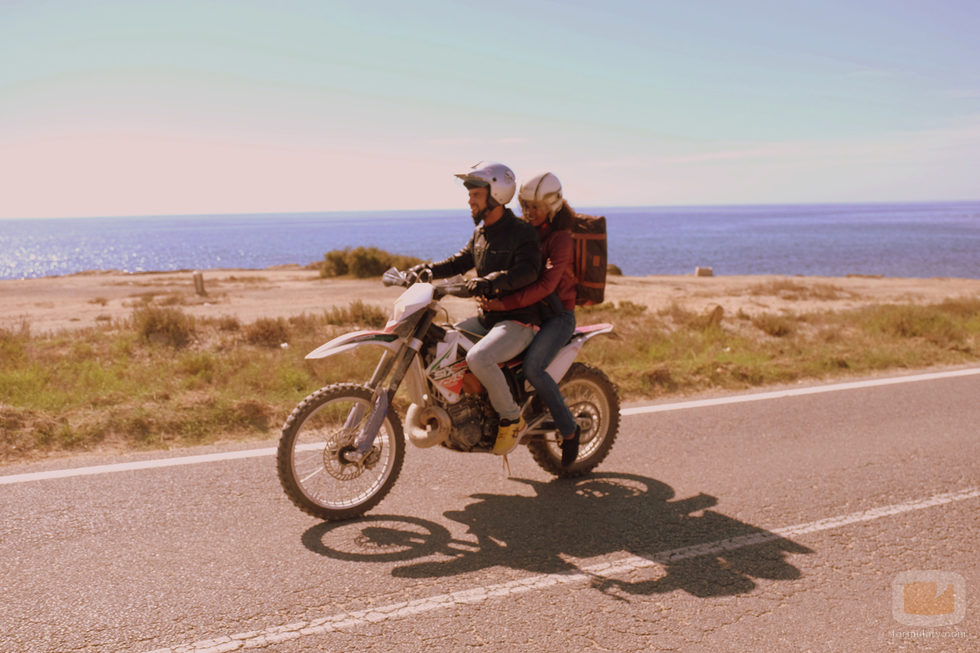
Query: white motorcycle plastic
x=343 y=446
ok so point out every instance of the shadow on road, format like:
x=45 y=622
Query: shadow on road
x=696 y=549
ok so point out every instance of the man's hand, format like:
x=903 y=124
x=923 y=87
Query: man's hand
x=420 y=271
x=479 y=287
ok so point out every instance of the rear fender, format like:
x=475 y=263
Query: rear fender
x=567 y=354
x=354 y=340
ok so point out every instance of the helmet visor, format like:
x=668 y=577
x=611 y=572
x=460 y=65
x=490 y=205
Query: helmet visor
x=471 y=183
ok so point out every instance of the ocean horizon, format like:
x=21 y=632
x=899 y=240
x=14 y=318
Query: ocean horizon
x=938 y=239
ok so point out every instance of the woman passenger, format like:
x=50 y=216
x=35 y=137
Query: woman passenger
x=543 y=205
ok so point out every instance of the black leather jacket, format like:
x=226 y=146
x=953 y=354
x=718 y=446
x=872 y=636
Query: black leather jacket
x=508 y=255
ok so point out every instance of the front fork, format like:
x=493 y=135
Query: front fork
x=391 y=365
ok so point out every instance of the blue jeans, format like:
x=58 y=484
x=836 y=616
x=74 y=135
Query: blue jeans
x=554 y=335
x=503 y=341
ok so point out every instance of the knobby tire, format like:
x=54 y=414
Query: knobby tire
x=546 y=451
x=390 y=435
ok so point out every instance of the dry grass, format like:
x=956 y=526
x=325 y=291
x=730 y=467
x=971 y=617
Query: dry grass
x=267 y=332
x=172 y=299
x=166 y=326
x=796 y=291
x=160 y=379
x=243 y=279
x=680 y=351
x=163 y=378
x=777 y=326
x=357 y=312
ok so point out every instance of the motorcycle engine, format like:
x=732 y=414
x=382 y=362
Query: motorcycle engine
x=475 y=423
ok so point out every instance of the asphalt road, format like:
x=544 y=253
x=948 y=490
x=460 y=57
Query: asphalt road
x=773 y=523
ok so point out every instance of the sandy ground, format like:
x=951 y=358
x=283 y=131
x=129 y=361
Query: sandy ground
x=54 y=304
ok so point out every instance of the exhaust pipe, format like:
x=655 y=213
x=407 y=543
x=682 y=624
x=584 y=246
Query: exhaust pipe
x=427 y=426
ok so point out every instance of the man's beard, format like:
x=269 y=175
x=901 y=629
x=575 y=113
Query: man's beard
x=478 y=215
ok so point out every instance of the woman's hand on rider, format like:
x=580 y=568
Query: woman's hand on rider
x=490 y=304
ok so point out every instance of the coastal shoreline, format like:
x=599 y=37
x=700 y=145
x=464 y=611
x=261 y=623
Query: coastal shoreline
x=88 y=299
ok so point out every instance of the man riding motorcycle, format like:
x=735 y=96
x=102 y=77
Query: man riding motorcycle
x=505 y=253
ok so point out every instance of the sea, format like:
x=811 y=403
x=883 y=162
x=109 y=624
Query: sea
x=892 y=240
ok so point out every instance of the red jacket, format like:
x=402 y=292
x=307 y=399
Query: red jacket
x=558 y=254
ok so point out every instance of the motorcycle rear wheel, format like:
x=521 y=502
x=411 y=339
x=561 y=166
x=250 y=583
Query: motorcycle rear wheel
x=312 y=461
x=594 y=402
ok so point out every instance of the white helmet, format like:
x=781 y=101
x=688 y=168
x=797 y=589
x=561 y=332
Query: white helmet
x=544 y=187
x=495 y=176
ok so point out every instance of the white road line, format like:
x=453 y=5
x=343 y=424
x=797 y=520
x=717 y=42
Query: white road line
x=10 y=479
x=348 y=620
x=137 y=465
x=796 y=392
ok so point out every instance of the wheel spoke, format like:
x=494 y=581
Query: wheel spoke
x=594 y=404
x=313 y=456
x=314 y=473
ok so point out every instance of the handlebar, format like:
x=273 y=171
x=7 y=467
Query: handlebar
x=454 y=286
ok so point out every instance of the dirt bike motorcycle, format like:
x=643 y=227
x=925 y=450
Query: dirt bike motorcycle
x=343 y=446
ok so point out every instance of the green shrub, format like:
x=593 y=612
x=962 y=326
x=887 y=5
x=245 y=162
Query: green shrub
x=363 y=262
x=229 y=323
x=267 y=332
x=368 y=262
x=167 y=326
x=335 y=263
x=776 y=326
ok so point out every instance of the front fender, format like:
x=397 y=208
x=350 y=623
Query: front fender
x=353 y=340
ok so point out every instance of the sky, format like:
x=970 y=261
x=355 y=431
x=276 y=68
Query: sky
x=143 y=107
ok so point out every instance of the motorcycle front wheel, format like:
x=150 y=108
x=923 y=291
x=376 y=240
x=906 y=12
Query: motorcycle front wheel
x=594 y=403
x=317 y=460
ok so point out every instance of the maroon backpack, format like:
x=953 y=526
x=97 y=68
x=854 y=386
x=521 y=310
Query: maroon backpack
x=590 y=261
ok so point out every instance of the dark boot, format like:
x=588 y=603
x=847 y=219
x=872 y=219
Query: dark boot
x=569 y=448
